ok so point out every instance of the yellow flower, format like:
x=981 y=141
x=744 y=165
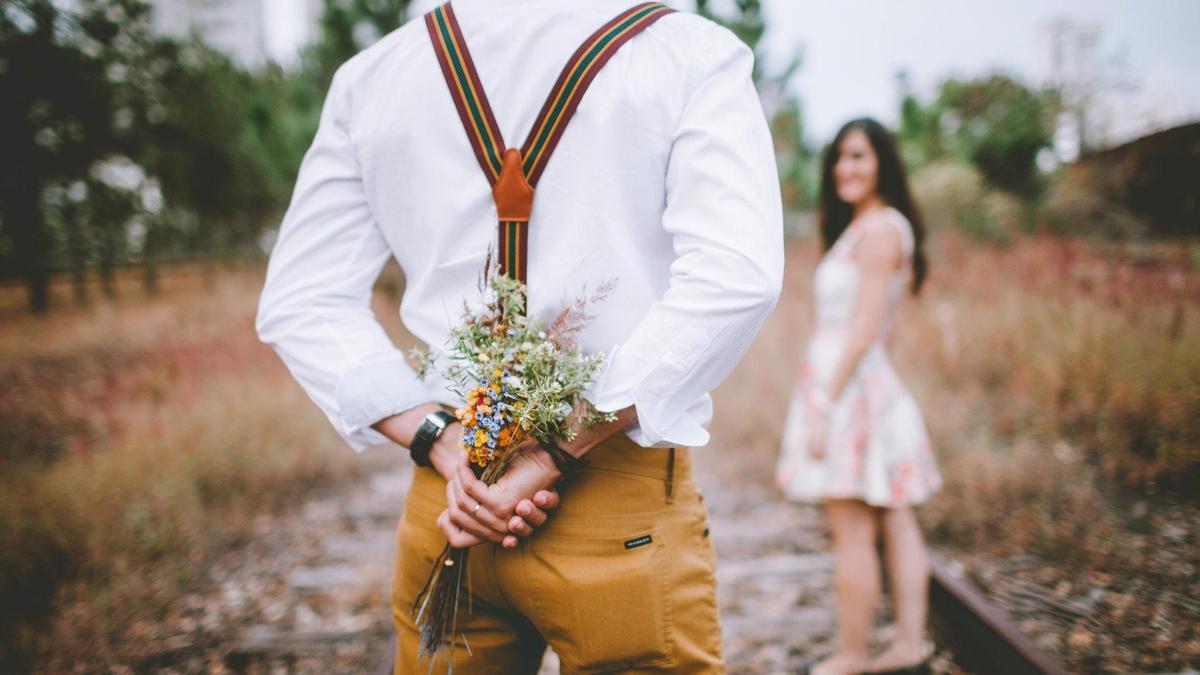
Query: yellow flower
x=481 y=437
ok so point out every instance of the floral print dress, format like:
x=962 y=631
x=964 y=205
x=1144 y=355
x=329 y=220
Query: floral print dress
x=877 y=449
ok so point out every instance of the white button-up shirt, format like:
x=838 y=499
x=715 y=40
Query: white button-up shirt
x=664 y=179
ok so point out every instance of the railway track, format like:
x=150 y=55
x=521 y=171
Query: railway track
x=978 y=633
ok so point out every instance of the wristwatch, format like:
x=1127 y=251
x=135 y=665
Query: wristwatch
x=427 y=434
x=568 y=465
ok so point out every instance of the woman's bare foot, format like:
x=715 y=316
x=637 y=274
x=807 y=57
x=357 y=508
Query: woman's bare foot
x=841 y=664
x=898 y=656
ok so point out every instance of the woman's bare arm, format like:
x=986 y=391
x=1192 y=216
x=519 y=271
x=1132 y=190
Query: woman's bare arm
x=878 y=255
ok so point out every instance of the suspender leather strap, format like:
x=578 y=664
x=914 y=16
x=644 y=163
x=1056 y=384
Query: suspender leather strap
x=513 y=173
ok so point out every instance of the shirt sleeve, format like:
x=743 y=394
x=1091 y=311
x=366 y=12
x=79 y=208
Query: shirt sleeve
x=315 y=304
x=725 y=215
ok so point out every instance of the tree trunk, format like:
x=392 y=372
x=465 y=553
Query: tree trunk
x=31 y=244
x=149 y=257
x=109 y=232
x=76 y=253
x=108 y=258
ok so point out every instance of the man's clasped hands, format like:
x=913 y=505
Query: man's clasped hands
x=516 y=504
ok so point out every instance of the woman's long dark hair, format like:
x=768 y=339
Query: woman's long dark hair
x=892 y=186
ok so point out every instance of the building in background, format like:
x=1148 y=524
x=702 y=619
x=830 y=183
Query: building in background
x=251 y=32
x=1106 y=100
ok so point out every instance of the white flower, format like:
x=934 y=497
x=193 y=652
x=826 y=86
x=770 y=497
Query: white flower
x=541 y=335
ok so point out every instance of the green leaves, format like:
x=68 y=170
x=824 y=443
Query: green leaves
x=541 y=366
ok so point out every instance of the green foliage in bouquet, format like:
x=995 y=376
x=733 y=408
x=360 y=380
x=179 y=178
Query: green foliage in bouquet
x=519 y=380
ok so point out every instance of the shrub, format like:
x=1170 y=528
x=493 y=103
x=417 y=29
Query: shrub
x=1081 y=201
x=952 y=196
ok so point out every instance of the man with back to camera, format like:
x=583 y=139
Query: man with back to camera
x=651 y=161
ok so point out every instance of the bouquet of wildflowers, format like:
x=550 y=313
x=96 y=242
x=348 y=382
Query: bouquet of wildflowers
x=519 y=380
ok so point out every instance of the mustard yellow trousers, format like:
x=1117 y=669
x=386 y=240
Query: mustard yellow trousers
x=621 y=578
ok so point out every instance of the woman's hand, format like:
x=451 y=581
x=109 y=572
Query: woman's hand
x=818 y=429
x=817 y=407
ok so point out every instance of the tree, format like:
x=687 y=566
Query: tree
x=1000 y=125
x=55 y=122
x=795 y=157
x=995 y=122
x=348 y=26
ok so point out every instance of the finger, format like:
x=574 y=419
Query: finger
x=498 y=500
x=466 y=522
x=454 y=536
x=518 y=526
x=472 y=486
x=532 y=514
x=510 y=542
x=477 y=510
x=546 y=499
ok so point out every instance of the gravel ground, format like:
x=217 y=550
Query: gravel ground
x=310 y=595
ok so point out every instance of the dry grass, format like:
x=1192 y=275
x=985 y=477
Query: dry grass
x=141 y=438
x=1056 y=379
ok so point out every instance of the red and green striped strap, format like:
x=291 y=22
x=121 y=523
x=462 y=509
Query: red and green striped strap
x=480 y=124
x=513 y=251
x=579 y=72
x=466 y=90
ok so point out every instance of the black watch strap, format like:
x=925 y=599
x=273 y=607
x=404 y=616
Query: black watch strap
x=427 y=434
x=568 y=465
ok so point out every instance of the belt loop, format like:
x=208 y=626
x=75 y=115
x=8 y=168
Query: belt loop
x=671 y=476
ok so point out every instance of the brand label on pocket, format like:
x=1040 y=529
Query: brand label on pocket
x=640 y=541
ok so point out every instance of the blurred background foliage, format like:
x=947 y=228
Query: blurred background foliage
x=122 y=146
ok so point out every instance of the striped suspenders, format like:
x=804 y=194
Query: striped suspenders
x=512 y=173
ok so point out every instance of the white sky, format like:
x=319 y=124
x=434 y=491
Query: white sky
x=853 y=50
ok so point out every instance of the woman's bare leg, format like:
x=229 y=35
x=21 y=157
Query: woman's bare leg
x=856 y=579
x=908 y=572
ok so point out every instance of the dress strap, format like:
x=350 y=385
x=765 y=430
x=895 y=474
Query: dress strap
x=892 y=215
x=513 y=173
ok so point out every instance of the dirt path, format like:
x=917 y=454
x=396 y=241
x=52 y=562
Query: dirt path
x=311 y=594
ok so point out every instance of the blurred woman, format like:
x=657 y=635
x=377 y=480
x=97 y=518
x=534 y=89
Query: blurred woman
x=855 y=439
